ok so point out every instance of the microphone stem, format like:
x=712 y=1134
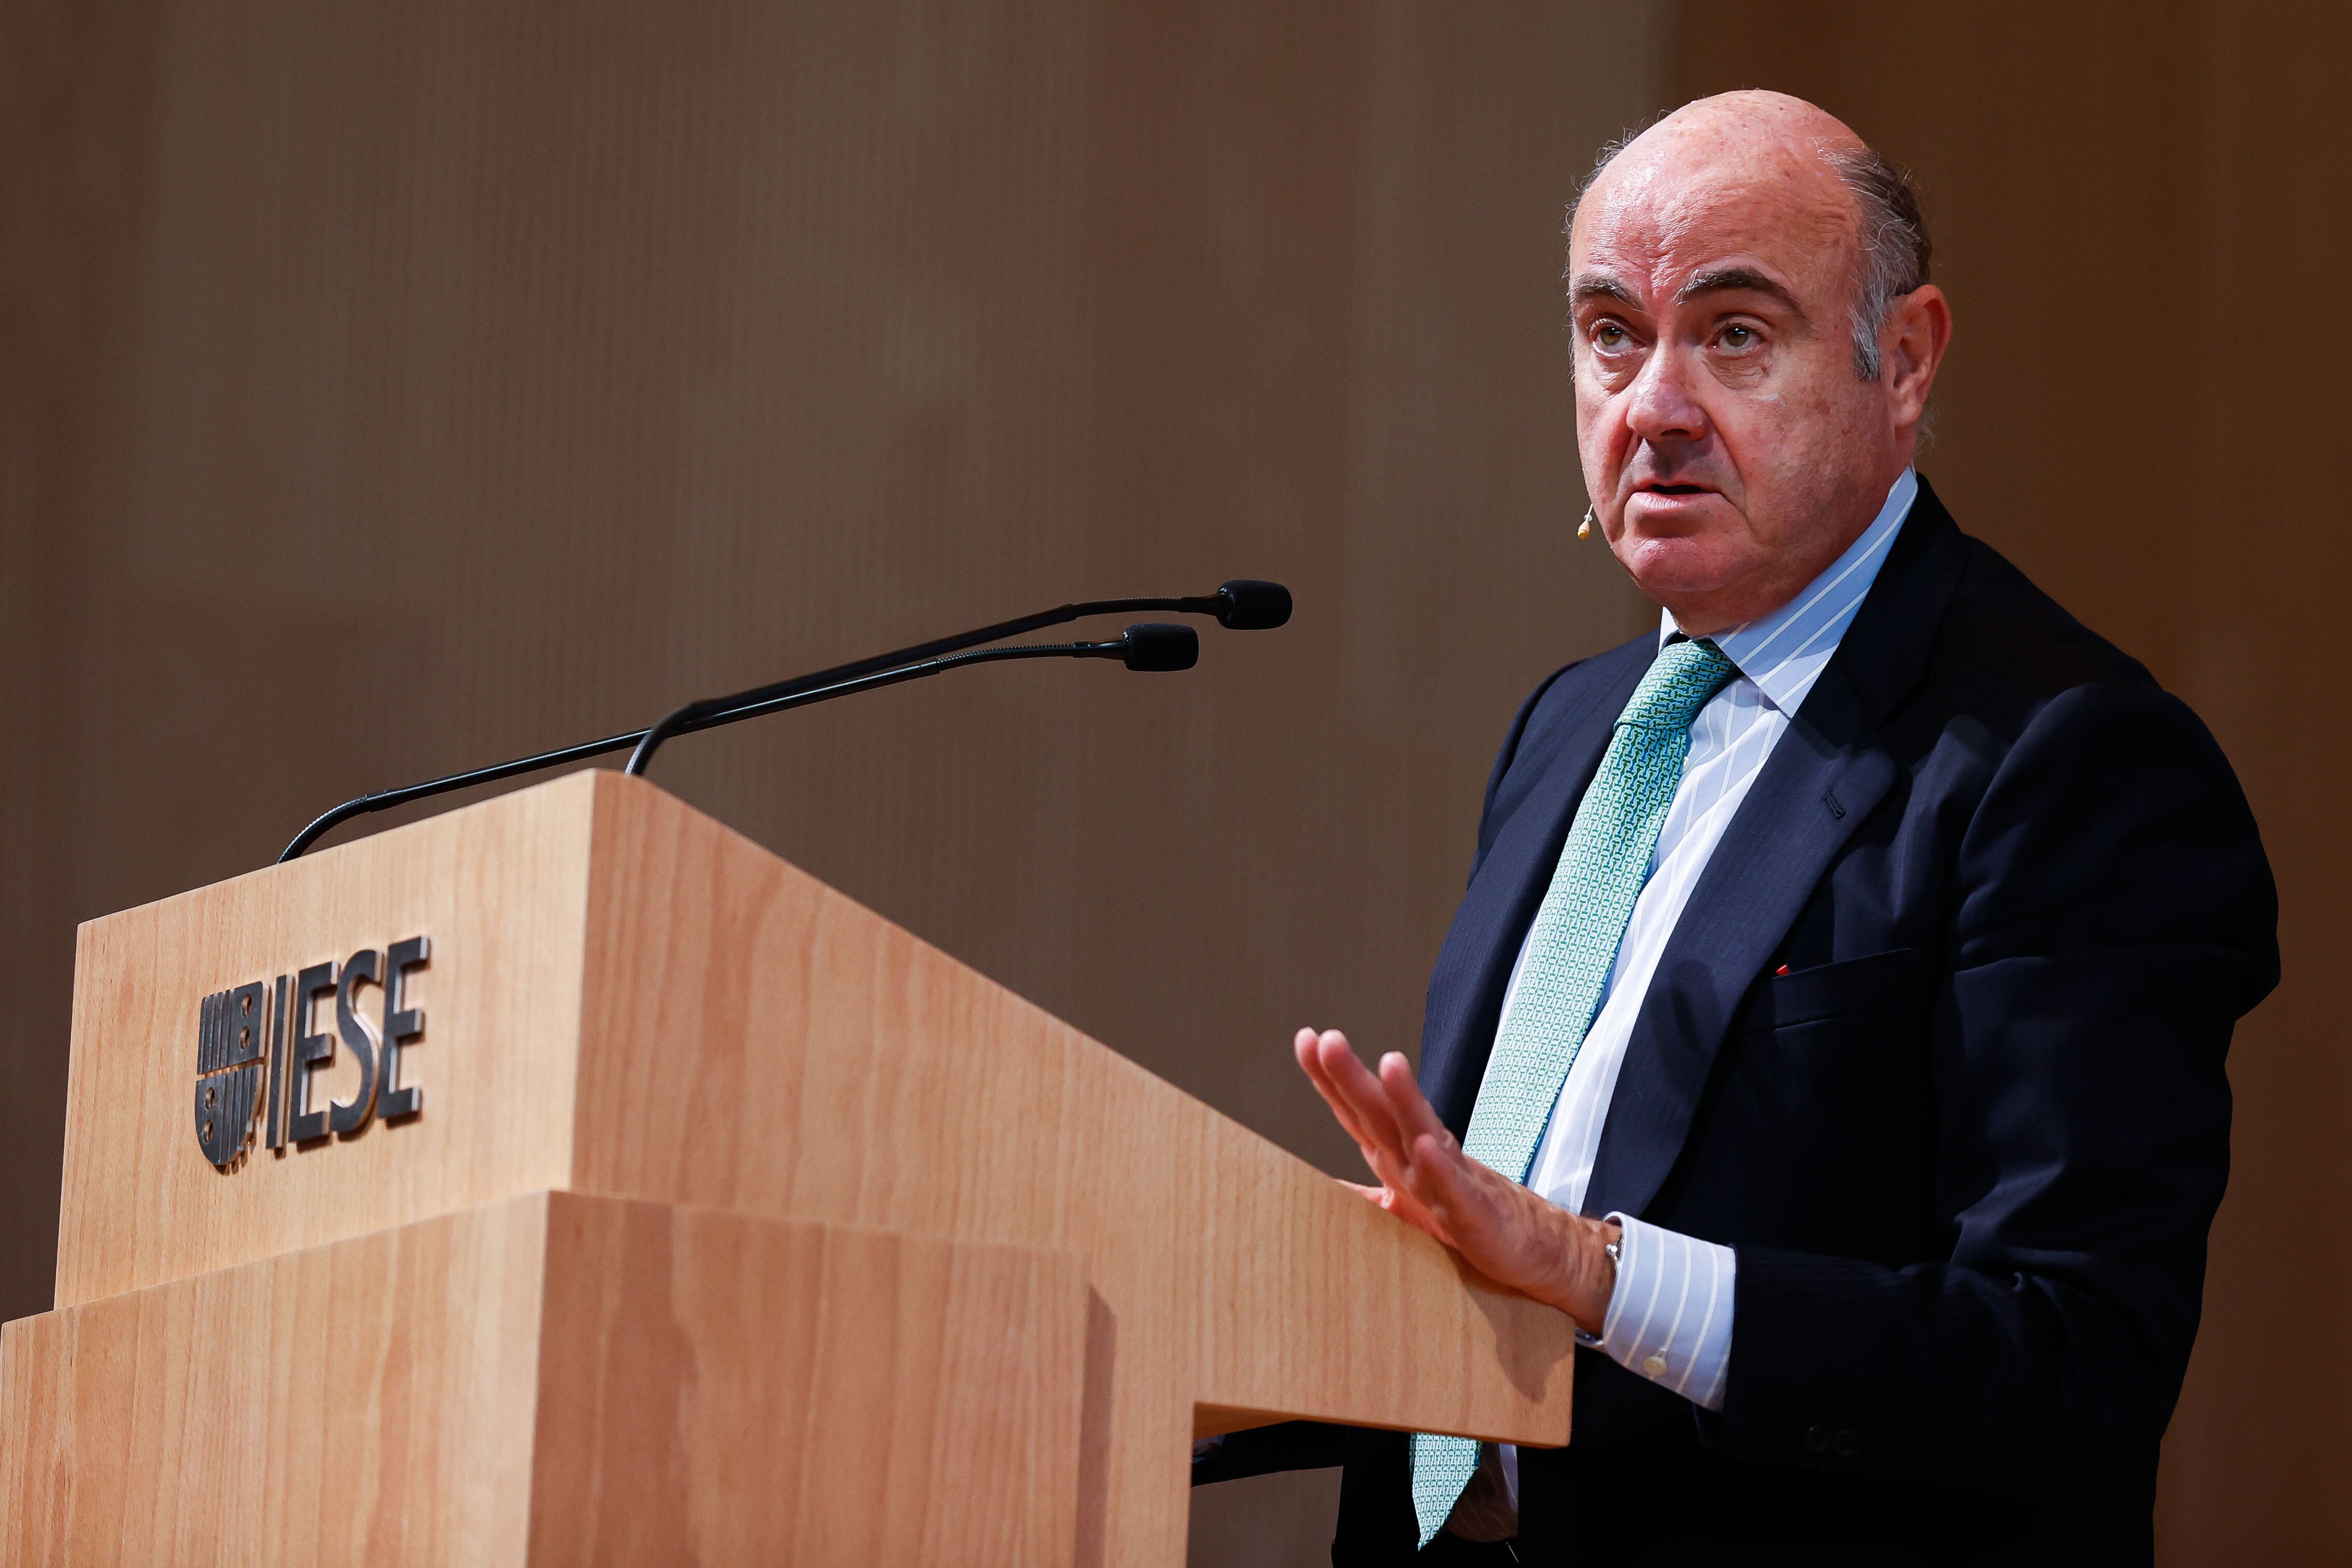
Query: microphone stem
x=677 y=723
x=717 y=711
x=1200 y=604
x=712 y=712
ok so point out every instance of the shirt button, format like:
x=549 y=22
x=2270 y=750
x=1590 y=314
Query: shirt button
x=1817 y=1439
x=1653 y=1365
x=1847 y=1444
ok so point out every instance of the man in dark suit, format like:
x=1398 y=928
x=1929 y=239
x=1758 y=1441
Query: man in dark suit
x=1834 y=1026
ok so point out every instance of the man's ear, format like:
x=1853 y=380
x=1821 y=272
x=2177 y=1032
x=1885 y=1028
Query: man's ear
x=1911 y=346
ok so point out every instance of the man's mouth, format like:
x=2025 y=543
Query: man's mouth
x=1674 y=490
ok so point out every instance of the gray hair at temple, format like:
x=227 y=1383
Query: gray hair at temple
x=1895 y=245
x=1895 y=248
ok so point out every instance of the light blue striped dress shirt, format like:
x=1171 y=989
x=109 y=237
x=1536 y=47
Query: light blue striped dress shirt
x=1670 y=1319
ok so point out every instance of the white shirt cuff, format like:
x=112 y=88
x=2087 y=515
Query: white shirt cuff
x=1670 y=1317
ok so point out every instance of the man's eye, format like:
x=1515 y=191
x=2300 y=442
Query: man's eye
x=1610 y=337
x=1738 y=336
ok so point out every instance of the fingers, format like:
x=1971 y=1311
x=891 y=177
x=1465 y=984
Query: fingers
x=1386 y=1115
x=1304 y=1046
x=1366 y=1096
x=1448 y=1180
x=1425 y=1178
x=1330 y=1061
x=1416 y=1118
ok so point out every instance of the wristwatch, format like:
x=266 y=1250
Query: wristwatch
x=1615 y=1261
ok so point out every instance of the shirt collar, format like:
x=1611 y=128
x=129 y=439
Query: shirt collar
x=1784 y=652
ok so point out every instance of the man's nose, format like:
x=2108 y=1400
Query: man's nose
x=1661 y=404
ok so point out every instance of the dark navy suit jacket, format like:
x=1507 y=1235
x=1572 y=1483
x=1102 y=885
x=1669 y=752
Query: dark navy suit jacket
x=1966 y=1148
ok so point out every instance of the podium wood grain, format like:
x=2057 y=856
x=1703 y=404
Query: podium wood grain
x=628 y=999
x=557 y=1379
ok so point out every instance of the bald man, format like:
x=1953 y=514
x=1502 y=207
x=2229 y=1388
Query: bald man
x=1834 y=1024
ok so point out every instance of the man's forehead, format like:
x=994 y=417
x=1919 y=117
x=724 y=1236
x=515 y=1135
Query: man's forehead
x=1654 y=226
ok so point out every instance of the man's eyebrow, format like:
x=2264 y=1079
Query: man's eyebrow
x=1746 y=279
x=1600 y=286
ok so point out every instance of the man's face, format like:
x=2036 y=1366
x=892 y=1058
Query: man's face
x=1730 y=449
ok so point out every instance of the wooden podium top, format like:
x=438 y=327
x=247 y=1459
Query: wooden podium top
x=621 y=996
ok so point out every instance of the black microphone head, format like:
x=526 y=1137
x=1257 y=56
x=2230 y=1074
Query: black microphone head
x=1253 y=606
x=1150 y=646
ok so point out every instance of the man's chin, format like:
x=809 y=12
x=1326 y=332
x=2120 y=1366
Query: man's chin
x=1671 y=567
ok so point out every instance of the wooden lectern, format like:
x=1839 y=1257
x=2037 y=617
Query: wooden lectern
x=566 y=1179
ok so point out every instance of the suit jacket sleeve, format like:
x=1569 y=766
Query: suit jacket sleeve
x=2112 y=917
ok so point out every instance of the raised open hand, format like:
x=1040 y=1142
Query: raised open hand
x=1499 y=1228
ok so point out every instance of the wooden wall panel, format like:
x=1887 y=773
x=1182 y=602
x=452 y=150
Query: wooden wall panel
x=392 y=387
x=388 y=388
x=2130 y=204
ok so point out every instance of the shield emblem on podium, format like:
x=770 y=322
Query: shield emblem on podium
x=231 y=1027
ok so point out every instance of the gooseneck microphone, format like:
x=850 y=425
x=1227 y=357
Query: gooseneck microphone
x=1242 y=605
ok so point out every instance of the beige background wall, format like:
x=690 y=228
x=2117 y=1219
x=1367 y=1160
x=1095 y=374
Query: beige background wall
x=388 y=389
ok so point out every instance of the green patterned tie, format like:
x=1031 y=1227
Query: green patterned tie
x=1569 y=953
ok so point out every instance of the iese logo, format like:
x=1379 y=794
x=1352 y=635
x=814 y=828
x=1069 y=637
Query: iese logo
x=243 y=1032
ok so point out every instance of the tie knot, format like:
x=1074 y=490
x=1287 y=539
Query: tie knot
x=1679 y=682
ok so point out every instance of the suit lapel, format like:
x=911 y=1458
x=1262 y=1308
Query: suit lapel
x=1466 y=991
x=1825 y=776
